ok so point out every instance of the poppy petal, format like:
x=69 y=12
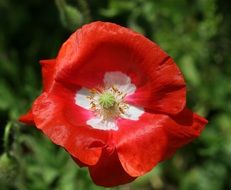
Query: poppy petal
x=108 y=171
x=121 y=81
x=78 y=162
x=27 y=118
x=81 y=98
x=185 y=127
x=133 y=112
x=81 y=141
x=165 y=90
x=160 y=85
x=99 y=123
x=48 y=67
x=143 y=144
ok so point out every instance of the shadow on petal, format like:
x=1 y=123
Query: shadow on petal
x=108 y=171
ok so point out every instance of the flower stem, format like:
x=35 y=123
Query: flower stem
x=85 y=10
x=6 y=136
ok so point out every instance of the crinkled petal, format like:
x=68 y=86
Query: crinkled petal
x=65 y=124
x=185 y=127
x=144 y=143
x=108 y=171
x=141 y=144
x=84 y=60
x=164 y=91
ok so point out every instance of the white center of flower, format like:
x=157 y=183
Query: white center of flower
x=108 y=102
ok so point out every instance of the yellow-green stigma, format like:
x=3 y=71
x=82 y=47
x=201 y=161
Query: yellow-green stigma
x=107 y=100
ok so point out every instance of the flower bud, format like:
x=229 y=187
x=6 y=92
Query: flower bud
x=8 y=169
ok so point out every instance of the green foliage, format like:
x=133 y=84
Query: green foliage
x=70 y=16
x=195 y=33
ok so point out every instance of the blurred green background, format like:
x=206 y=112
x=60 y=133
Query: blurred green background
x=195 y=33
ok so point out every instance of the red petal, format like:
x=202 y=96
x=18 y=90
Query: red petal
x=165 y=90
x=81 y=141
x=48 y=79
x=108 y=171
x=142 y=144
x=28 y=118
x=184 y=127
x=77 y=161
x=103 y=47
x=47 y=73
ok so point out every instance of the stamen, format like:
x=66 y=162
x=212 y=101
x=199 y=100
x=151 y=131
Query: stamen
x=108 y=102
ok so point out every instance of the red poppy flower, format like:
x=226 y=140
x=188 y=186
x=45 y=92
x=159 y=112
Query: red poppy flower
x=115 y=101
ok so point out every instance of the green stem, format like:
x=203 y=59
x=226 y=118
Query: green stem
x=60 y=5
x=85 y=10
x=6 y=136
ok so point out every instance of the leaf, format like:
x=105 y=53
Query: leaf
x=70 y=16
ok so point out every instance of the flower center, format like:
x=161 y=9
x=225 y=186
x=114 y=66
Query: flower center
x=107 y=100
x=108 y=103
